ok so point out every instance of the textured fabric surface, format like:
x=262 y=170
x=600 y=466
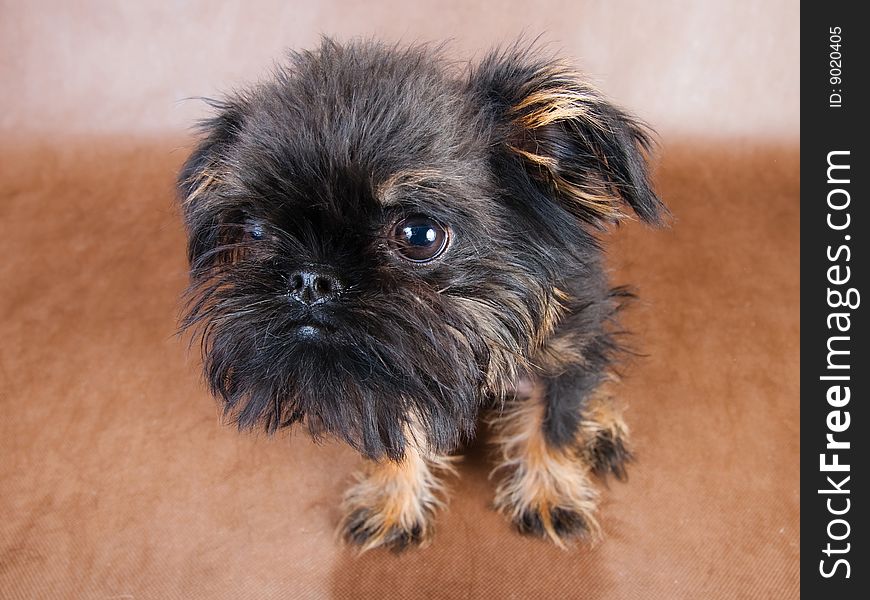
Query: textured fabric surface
x=118 y=481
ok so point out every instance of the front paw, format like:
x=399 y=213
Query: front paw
x=387 y=508
x=371 y=528
x=547 y=492
x=393 y=504
x=561 y=525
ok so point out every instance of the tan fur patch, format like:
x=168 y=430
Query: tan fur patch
x=559 y=353
x=544 y=107
x=562 y=95
x=203 y=181
x=543 y=161
x=554 y=309
x=540 y=478
x=399 y=497
x=391 y=189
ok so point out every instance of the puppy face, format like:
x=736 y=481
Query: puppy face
x=374 y=237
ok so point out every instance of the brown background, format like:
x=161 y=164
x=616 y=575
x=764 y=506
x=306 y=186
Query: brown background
x=118 y=481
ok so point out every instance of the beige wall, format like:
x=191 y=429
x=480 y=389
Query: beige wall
x=727 y=69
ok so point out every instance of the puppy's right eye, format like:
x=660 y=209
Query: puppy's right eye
x=255 y=231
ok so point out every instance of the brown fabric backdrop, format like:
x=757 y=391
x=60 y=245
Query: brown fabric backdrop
x=117 y=479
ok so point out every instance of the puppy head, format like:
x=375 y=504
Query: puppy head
x=375 y=238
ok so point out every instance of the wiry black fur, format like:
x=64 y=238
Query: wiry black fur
x=305 y=155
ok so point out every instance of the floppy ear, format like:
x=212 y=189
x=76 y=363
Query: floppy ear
x=579 y=148
x=199 y=182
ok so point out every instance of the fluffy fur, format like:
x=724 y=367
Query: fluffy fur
x=521 y=160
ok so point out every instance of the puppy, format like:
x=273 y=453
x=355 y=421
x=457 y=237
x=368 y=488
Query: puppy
x=384 y=246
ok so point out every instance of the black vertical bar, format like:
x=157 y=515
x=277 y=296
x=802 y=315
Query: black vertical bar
x=835 y=225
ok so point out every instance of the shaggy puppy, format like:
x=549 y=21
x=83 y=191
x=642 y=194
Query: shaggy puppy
x=383 y=245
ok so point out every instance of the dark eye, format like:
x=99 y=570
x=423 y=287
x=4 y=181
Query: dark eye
x=255 y=231
x=419 y=238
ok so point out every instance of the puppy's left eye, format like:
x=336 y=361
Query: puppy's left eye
x=419 y=238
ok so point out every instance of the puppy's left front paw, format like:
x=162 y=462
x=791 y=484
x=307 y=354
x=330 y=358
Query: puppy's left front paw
x=371 y=528
x=393 y=505
x=556 y=523
x=561 y=508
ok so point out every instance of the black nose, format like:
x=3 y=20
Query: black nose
x=313 y=286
